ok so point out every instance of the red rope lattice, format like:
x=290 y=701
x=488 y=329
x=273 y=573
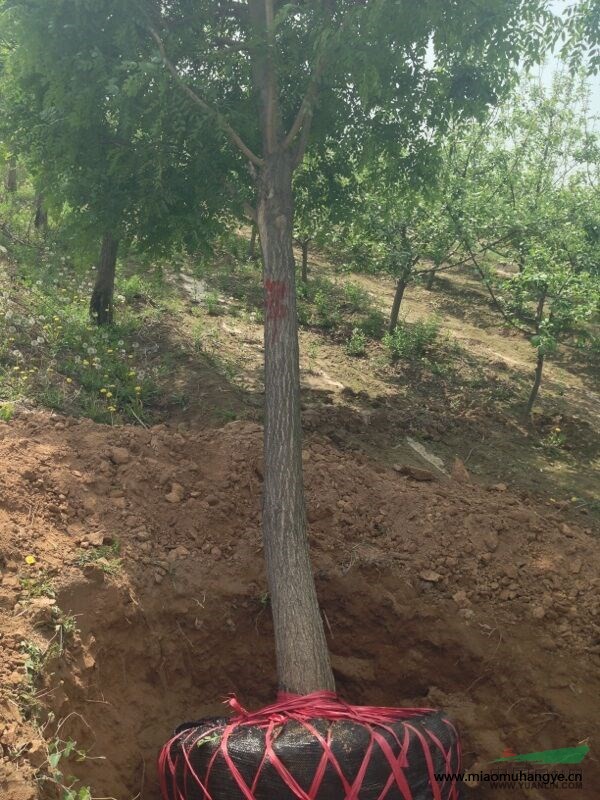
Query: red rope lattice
x=176 y=769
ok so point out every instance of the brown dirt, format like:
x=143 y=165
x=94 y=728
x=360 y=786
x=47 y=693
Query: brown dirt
x=434 y=591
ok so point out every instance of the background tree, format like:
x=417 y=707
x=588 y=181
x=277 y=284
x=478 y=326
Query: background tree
x=105 y=139
x=325 y=196
x=533 y=201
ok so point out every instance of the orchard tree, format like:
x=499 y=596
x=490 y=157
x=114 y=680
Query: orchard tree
x=273 y=77
x=533 y=200
x=105 y=139
x=403 y=221
x=325 y=196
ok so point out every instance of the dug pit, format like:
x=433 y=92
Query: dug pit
x=433 y=593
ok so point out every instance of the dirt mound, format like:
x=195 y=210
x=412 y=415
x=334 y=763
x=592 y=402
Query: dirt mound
x=133 y=598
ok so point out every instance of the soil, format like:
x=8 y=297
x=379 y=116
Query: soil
x=436 y=590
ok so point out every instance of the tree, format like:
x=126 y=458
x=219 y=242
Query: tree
x=324 y=195
x=534 y=201
x=404 y=212
x=105 y=139
x=269 y=76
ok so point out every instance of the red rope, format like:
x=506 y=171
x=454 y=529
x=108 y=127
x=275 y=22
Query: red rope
x=304 y=710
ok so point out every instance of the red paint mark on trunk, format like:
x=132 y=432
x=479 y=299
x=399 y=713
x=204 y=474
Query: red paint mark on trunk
x=276 y=308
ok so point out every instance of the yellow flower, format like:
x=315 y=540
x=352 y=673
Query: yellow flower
x=112 y=408
x=109 y=394
x=110 y=351
x=138 y=388
x=86 y=362
x=102 y=391
x=31 y=560
x=69 y=380
x=131 y=373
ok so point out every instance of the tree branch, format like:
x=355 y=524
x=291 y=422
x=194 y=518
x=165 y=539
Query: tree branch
x=304 y=115
x=204 y=105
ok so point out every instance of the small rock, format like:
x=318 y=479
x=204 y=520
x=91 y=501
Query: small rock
x=416 y=473
x=178 y=553
x=216 y=552
x=460 y=472
x=461 y=599
x=39 y=610
x=538 y=612
x=98 y=538
x=119 y=455
x=500 y=487
x=176 y=494
x=430 y=576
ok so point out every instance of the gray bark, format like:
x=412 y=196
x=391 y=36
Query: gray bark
x=302 y=657
x=101 y=303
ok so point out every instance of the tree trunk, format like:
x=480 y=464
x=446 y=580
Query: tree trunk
x=302 y=657
x=101 y=304
x=41 y=215
x=252 y=243
x=304 y=245
x=401 y=286
x=536 y=383
x=11 y=176
x=431 y=278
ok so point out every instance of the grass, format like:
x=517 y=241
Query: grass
x=107 y=556
x=50 y=352
x=37 y=586
x=412 y=341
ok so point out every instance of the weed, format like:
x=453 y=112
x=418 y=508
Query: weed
x=133 y=289
x=554 y=441
x=106 y=557
x=7 y=411
x=373 y=325
x=411 y=342
x=355 y=297
x=35 y=659
x=211 y=302
x=65 y=626
x=53 y=772
x=313 y=352
x=356 y=344
x=326 y=310
x=37 y=586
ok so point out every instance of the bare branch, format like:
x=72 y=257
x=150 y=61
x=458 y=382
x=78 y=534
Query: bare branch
x=204 y=105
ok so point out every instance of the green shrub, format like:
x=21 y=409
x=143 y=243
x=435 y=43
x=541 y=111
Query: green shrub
x=413 y=341
x=6 y=412
x=357 y=343
x=326 y=311
x=373 y=325
x=133 y=288
x=211 y=302
x=356 y=298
